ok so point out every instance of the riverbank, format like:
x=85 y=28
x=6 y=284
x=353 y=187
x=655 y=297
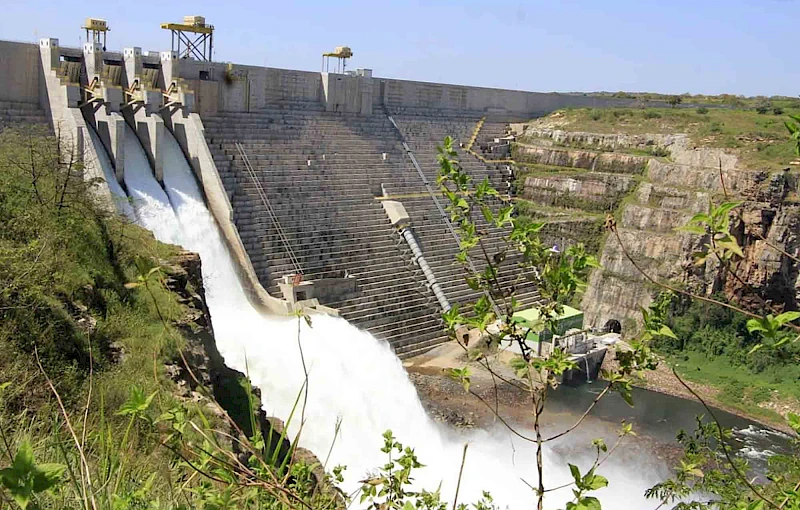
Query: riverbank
x=446 y=400
x=771 y=412
x=493 y=402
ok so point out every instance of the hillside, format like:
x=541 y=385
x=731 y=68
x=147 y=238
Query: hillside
x=652 y=170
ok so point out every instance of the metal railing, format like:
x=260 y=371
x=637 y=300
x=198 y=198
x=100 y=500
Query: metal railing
x=281 y=234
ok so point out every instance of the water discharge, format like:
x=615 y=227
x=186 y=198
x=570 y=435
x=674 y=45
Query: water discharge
x=117 y=193
x=152 y=206
x=354 y=379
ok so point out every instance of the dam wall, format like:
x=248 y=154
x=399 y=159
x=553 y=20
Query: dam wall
x=20 y=72
x=223 y=87
x=295 y=166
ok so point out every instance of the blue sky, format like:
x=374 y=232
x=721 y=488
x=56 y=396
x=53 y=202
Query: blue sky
x=673 y=46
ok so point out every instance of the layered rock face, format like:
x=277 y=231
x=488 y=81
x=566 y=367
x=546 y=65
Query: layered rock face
x=650 y=196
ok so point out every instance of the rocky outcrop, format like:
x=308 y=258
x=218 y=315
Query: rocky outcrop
x=590 y=191
x=598 y=141
x=201 y=368
x=665 y=197
x=767 y=277
x=671 y=190
x=588 y=160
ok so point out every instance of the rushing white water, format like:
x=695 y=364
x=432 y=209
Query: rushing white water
x=149 y=200
x=353 y=378
x=118 y=194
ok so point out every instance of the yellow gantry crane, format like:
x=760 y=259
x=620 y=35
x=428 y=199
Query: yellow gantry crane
x=341 y=53
x=95 y=30
x=193 y=38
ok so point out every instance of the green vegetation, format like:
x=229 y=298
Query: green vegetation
x=761 y=141
x=89 y=418
x=64 y=263
x=713 y=346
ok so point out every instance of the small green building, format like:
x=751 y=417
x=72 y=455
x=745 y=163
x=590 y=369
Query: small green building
x=570 y=318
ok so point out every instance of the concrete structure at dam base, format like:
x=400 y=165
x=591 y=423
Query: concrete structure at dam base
x=320 y=182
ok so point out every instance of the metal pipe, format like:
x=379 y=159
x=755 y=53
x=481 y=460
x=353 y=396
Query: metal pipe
x=408 y=235
x=442 y=213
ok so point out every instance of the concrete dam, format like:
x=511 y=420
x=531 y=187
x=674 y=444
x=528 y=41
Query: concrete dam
x=322 y=183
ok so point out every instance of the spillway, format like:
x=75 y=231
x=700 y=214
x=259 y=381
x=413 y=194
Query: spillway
x=151 y=204
x=353 y=379
x=117 y=193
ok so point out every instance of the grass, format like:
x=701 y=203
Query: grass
x=739 y=388
x=64 y=266
x=761 y=140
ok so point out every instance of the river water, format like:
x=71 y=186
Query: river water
x=658 y=418
x=357 y=388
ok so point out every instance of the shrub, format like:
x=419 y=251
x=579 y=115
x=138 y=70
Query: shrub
x=650 y=114
x=596 y=115
x=763 y=106
x=702 y=110
x=733 y=392
x=777 y=110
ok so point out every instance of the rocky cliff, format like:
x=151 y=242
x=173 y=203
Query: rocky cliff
x=201 y=364
x=653 y=184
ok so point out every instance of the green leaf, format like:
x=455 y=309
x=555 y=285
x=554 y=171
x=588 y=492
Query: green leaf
x=700 y=218
x=600 y=444
x=589 y=503
x=666 y=331
x=626 y=429
x=576 y=473
x=504 y=216
x=755 y=348
x=782 y=341
x=137 y=403
x=729 y=243
x=47 y=476
x=24 y=478
x=754 y=325
x=487 y=213
x=787 y=317
x=23 y=460
x=794 y=421
x=724 y=209
x=699 y=258
x=692 y=229
x=596 y=482
x=462 y=376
